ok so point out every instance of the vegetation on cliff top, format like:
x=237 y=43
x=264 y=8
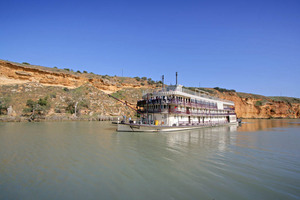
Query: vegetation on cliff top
x=224 y=90
x=143 y=81
x=88 y=100
x=285 y=99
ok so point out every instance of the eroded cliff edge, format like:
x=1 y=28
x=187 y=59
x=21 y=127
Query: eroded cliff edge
x=64 y=88
x=257 y=106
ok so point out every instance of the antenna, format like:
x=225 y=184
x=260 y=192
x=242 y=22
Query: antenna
x=176 y=78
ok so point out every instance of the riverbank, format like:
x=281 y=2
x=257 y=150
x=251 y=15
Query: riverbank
x=5 y=118
x=58 y=118
x=27 y=90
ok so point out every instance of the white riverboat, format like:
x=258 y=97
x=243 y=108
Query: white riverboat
x=175 y=108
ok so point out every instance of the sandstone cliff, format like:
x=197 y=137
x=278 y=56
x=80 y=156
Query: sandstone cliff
x=256 y=106
x=21 y=82
x=16 y=73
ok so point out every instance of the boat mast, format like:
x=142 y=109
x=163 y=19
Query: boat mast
x=176 y=78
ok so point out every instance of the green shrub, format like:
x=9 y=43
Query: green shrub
x=4 y=104
x=37 y=108
x=85 y=72
x=78 y=71
x=70 y=107
x=43 y=102
x=67 y=69
x=66 y=89
x=150 y=81
x=223 y=90
x=137 y=78
x=25 y=63
x=258 y=103
x=144 y=78
x=31 y=105
x=3 y=108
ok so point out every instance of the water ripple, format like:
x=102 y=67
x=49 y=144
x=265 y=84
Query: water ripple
x=89 y=160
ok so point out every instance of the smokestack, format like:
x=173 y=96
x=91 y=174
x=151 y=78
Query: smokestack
x=163 y=81
x=176 y=78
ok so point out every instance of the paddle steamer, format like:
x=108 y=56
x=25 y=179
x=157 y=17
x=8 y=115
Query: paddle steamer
x=176 y=108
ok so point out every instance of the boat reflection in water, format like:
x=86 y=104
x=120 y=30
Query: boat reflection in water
x=175 y=145
x=214 y=137
x=79 y=160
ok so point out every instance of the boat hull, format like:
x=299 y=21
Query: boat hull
x=153 y=128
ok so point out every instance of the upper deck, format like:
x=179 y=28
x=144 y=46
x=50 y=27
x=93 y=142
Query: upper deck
x=178 y=90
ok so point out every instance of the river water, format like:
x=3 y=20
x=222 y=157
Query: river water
x=90 y=160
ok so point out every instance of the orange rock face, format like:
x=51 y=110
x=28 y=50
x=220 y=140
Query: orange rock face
x=18 y=73
x=249 y=108
x=13 y=73
x=246 y=107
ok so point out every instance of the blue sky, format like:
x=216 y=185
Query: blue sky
x=250 y=46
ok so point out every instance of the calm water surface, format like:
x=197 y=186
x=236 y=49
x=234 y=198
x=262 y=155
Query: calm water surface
x=90 y=160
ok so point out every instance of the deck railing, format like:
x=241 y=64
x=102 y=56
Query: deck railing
x=177 y=102
x=185 y=123
x=176 y=111
x=178 y=88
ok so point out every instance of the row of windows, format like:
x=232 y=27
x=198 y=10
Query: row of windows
x=184 y=117
x=180 y=108
x=180 y=99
